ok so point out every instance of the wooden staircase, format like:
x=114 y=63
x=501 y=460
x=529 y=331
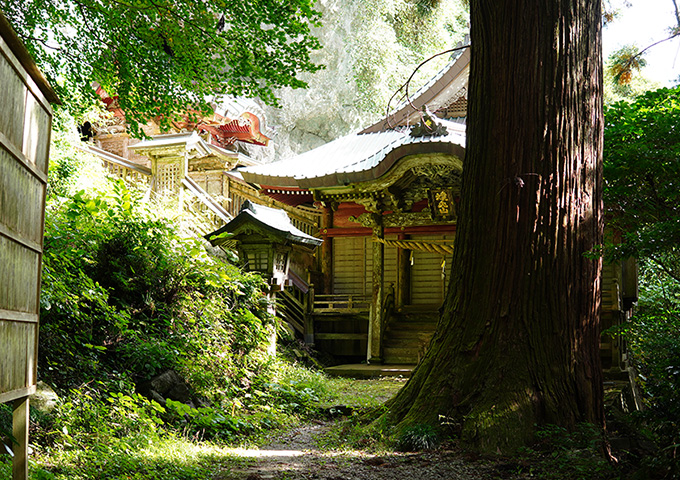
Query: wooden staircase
x=407 y=337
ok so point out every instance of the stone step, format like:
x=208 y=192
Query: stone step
x=402 y=355
x=406 y=341
x=415 y=317
x=420 y=342
x=408 y=336
x=411 y=327
x=371 y=371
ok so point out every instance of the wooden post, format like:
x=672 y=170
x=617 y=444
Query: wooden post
x=183 y=163
x=327 y=250
x=20 y=433
x=309 y=319
x=375 y=319
x=403 y=291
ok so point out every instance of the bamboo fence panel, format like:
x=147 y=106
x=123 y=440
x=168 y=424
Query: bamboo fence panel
x=25 y=127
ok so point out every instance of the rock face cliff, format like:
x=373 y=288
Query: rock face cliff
x=370 y=48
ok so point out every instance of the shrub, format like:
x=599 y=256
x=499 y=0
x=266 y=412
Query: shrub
x=418 y=437
x=564 y=455
x=653 y=342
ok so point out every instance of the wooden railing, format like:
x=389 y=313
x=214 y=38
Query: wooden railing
x=236 y=192
x=207 y=200
x=340 y=303
x=291 y=309
x=120 y=167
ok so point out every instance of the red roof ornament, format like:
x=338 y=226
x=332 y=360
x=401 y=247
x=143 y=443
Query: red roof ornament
x=245 y=128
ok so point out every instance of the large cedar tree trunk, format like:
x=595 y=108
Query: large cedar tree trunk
x=518 y=341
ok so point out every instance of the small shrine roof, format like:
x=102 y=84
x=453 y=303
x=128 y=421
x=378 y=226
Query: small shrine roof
x=272 y=219
x=353 y=158
x=190 y=139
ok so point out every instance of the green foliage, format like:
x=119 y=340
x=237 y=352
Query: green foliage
x=653 y=342
x=164 y=59
x=392 y=38
x=125 y=297
x=561 y=455
x=623 y=63
x=416 y=438
x=170 y=458
x=641 y=168
x=636 y=84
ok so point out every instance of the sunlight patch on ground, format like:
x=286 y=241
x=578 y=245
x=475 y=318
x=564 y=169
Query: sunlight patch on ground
x=250 y=453
x=255 y=453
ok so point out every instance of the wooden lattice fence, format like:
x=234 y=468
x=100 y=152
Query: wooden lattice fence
x=25 y=126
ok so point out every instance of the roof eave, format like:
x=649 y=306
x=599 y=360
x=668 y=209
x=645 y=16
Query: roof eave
x=247 y=216
x=260 y=179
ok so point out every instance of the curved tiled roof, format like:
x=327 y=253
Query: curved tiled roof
x=353 y=158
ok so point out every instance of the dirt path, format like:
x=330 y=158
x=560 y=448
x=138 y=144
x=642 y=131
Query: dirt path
x=296 y=455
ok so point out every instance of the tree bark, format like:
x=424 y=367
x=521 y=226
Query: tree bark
x=518 y=340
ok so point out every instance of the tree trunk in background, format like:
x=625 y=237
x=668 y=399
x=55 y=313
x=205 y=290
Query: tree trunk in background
x=518 y=341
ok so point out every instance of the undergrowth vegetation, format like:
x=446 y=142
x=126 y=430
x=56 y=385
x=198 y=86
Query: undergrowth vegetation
x=653 y=342
x=128 y=294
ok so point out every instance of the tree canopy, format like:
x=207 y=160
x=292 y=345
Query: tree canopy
x=162 y=58
x=641 y=169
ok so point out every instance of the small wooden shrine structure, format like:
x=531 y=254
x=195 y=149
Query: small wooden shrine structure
x=267 y=242
x=25 y=127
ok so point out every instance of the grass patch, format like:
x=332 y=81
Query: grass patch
x=361 y=394
x=171 y=458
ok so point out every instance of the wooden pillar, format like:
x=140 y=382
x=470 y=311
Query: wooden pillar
x=403 y=292
x=183 y=173
x=327 y=250
x=20 y=433
x=375 y=319
x=309 y=318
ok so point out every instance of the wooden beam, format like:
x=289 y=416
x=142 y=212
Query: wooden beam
x=14 y=394
x=411 y=219
x=341 y=311
x=22 y=159
x=366 y=232
x=14 y=316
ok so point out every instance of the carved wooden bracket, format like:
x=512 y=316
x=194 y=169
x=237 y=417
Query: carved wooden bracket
x=372 y=204
x=434 y=171
x=368 y=220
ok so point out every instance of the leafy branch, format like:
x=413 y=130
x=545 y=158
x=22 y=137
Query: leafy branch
x=630 y=59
